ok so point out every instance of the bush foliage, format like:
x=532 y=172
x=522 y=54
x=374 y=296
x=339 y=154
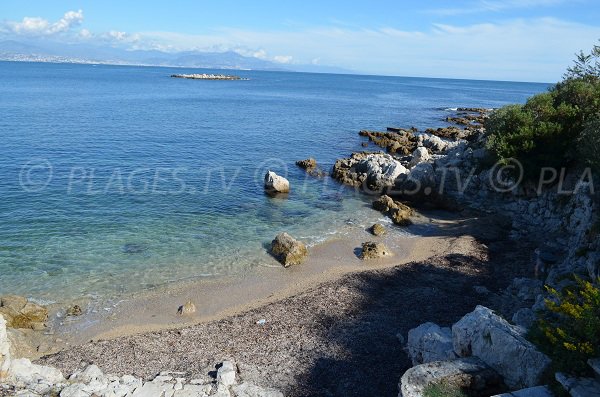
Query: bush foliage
x=548 y=131
x=569 y=333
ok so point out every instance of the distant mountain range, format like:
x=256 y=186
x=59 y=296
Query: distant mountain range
x=11 y=50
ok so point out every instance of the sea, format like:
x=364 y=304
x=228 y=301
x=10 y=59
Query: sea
x=118 y=179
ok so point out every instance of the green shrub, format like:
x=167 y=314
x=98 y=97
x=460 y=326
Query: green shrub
x=553 y=129
x=569 y=332
x=443 y=390
x=588 y=145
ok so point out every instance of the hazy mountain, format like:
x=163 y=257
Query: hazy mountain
x=50 y=51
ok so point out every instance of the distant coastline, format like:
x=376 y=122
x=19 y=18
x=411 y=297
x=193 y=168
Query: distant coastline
x=207 y=76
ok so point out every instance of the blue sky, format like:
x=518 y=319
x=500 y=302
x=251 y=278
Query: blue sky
x=528 y=40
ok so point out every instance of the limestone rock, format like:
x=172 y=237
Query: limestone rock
x=249 y=390
x=226 y=374
x=22 y=373
x=21 y=313
x=288 y=250
x=430 y=342
x=275 y=183
x=524 y=318
x=4 y=350
x=500 y=345
x=374 y=250
x=74 y=310
x=372 y=171
x=398 y=212
x=468 y=374
x=579 y=387
x=307 y=164
x=378 y=229
x=420 y=155
x=187 y=309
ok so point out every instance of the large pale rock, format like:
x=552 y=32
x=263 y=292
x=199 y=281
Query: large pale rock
x=249 y=390
x=579 y=387
x=22 y=373
x=468 y=374
x=4 y=350
x=430 y=342
x=373 y=171
x=374 y=250
x=288 y=250
x=226 y=374
x=420 y=155
x=500 y=345
x=275 y=183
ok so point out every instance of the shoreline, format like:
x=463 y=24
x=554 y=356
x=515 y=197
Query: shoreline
x=224 y=296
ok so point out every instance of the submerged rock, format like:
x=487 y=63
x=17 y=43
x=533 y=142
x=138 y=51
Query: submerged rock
x=288 y=250
x=378 y=229
x=275 y=183
x=74 y=310
x=307 y=164
x=19 y=312
x=374 y=250
x=187 y=308
x=311 y=167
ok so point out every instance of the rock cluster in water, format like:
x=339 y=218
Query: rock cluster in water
x=205 y=76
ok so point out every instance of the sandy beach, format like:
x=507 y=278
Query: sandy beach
x=326 y=323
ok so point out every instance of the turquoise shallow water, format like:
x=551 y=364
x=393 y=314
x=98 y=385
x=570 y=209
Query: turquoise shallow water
x=117 y=179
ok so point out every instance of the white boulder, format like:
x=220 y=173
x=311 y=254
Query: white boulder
x=382 y=170
x=275 y=183
x=430 y=342
x=4 y=350
x=500 y=345
x=468 y=373
x=419 y=155
x=226 y=374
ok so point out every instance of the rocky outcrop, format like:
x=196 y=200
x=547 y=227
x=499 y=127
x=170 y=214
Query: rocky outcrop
x=374 y=250
x=377 y=229
x=467 y=374
x=275 y=184
x=19 y=312
x=370 y=171
x=311 y=167
x=399 y=141
x=288 y=250
x=430 y=342
x=307 y=164
x=398 y=212
x=500 y=345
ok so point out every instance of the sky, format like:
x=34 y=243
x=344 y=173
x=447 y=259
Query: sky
x=519 y=40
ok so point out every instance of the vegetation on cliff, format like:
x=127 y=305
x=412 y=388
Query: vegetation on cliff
x=559 y=128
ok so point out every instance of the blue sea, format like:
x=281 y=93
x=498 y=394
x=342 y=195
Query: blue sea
x=117 y=179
